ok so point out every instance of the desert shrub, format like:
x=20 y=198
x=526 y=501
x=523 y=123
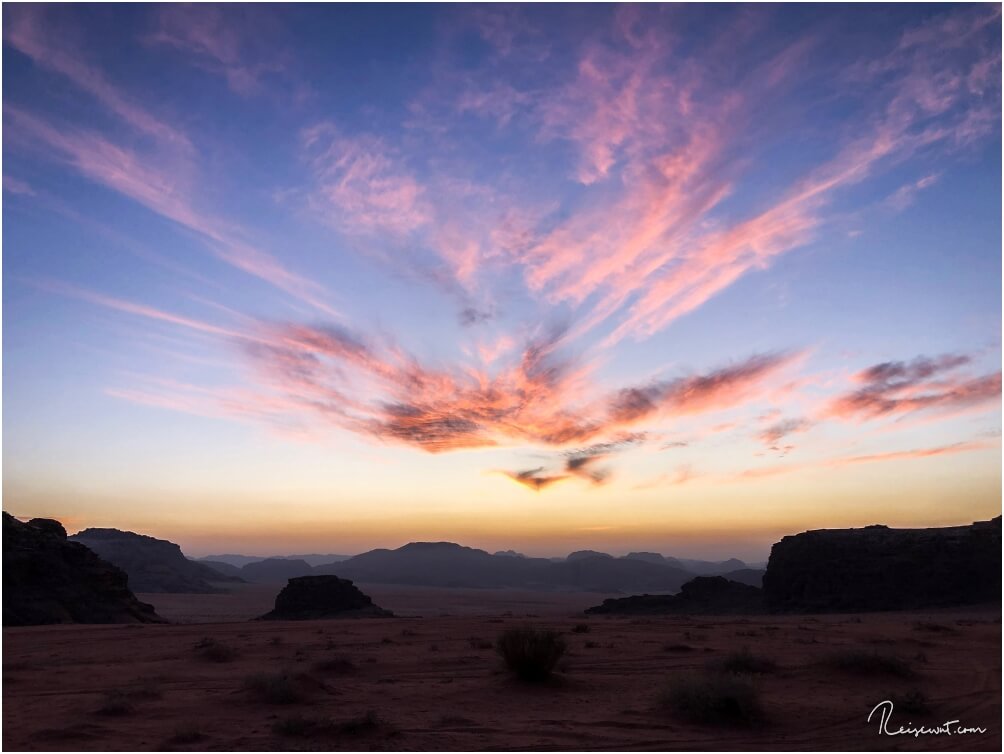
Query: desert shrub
x=339 y=664
x=592 y=645
x=745 y=662
x=677 y=648
x=714 y=699
x=934 y=628
x=363 y=724
x=912 y=702
x=580 y=628
x=275 y=641
x=297 y=725
x=185 y=734
x=454 y=721
x=115 y=704
x=529 y=652
x=861 y=662
x=146 y=688
x=273 y=688
x=214 y=650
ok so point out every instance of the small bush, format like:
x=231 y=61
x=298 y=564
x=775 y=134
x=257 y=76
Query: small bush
x=678 y=648
x=338 y=664
x=934 y=628
x=581 y=628
x=186 y=734
x=116 y=704
x=531 y=653
x=870 y=664
x=714 y=699
x=745 y=662
x=912 y=702
x=273 y=688
x=214 y=651
x=297 y=725
x=362 y=724
x=592 y=645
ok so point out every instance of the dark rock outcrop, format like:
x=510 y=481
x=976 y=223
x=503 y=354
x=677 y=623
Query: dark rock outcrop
x=704 y=595
x=312 y=597
x=153 y=565
x=878 y=568
x=48 y=579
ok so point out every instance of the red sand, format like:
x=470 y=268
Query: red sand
x=435 y=683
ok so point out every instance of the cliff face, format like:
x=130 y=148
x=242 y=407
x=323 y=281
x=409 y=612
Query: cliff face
x=878 y=568
x=47 y=579
x=153 y=565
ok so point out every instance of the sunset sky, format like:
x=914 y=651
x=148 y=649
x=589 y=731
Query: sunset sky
x=322 y=279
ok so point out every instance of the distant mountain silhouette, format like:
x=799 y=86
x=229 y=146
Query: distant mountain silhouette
x=704 y=595
x=510 y=554
x=583 y=554
x=711 y=567
x=654 y=557
x=452 y=565
x=48 y=579
x=226 y=569
x=153 y=565
x=275 y=570
x=878 y=568
x=240 y=561
x=750 y=576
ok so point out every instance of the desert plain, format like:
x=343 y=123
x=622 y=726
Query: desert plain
x=430 y=678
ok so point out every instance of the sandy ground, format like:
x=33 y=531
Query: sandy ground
x=435 y=683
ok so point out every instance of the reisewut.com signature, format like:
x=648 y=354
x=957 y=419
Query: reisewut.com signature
x=947 y=728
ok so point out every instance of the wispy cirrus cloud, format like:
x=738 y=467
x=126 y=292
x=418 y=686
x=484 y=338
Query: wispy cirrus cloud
x=897 y=455
x=235 y=45
x=30 y=30
x=164 y=186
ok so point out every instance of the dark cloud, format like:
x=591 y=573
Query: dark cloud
x=534 y=478
x=897 y=387
x=775 y=432
x=717 y=389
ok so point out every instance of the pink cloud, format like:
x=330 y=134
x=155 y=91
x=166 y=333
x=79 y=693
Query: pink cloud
x=360 y=186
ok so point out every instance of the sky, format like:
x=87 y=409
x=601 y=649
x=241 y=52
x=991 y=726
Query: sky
x=682 y=279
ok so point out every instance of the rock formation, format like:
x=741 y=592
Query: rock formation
x=153 y=565
x=47 y=579
x=878 y=568
x=311 y=597
x=704 y=595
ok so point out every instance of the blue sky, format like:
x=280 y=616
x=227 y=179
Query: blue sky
x=680 y=278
